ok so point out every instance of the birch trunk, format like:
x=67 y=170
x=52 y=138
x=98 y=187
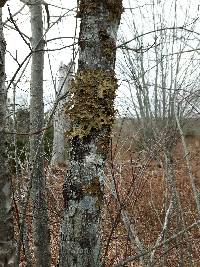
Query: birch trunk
x=60 y=152
x=41 y=234
x=7 y=246
x=91 y=116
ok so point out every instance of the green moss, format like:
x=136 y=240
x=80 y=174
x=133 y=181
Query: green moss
x=92 y=104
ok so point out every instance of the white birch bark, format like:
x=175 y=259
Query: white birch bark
x=91 y=116
x=7 y=245
x=60 y=152
x=41 y=234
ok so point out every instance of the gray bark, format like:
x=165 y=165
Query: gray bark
x=91 y=116
x=41 y=233
x=7 y=245
x=60 y=152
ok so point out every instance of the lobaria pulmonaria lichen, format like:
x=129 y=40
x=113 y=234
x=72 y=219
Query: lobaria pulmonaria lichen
x=92 y=101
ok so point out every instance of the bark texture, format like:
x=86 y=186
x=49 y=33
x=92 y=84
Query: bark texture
x=91 y=114
x=60 y=153
x=41 y=232
x=7 y=245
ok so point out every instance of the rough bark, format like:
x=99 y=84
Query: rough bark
x=91 y=115
x=60 y=152
x=41 y=234
x=7 y=245
x=2 y=3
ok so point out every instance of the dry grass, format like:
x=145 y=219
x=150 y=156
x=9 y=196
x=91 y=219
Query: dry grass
x=141 y=187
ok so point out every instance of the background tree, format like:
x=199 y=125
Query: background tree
x=60 y=153
x=41 y=233
x=7 y=244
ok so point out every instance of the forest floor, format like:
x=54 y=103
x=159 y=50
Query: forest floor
x=140 y=195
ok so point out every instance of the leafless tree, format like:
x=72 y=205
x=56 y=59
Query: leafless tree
x=7 y=244
x=161 y=81
x=41 y=232
x=91 y=115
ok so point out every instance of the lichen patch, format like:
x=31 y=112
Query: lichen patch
x=92 y=104
x=108 y=44
x=114 y=7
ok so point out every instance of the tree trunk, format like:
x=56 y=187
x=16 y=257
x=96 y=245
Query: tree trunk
x=41 y=234
x=60 y=152
x=91 y=116
x=7 y=246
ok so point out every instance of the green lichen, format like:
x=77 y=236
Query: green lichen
x=108 y=44
x=91 y=106
x=114 y=7
x=87 y=7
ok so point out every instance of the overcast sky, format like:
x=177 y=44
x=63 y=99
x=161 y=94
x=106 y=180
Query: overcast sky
x=186 y=12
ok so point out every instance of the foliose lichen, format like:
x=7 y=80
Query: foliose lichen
x=92 y=102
